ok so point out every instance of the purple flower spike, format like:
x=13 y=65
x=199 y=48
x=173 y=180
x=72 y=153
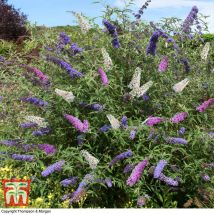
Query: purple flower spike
x=151 y=48
x=159 y=168
x=34 y=100
x=10 y=142
x=179 y=117
x=66 y=66
x=190 y=20
x=124 y=122
x=169 y=181
x=182 y=131
x=28 y=125
x=206 y=177
x=82 y=127
x=205 y=105
x=132 y=134
x=1 y=98
x=108 y=182
x=94 y=107
x=176 y=140
x=120 y=157
x=23 y=157
x=64 y=39
x=69 y=181
x=105 y=128
x=151 y=121
x=211 y=134
x=48 y=149
x=128 y=168
x=80 y=139
x=52 y=168
x=136 y=173
x=41 y=132
x=75 y=49
x=113 y=32
x=163 y=65
x=103 y=76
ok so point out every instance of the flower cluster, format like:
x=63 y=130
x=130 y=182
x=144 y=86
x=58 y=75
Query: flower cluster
x=47 y=148
x=38 y=120
x=159 y=168
x=94 y=107
x=151 y=48
x=190 y=20
x=140 y=12
x=80 y=126
x=103 y=76
x=169 y=181
x=179 y=87
x=151 y=121
x=41 y=132
x=179 y=117
x=28 y=125
x=66 y=95
x=136 y=173
x=52 y=168
x=107 y=60
x=205 y=51
x=163 y=64
x=34 y=100
x=205 y=105
x=176 y=140
x=121 y=156
x=69 y=181
x=186 y=64
x=90 y=158
x=83 y=23
x=73 y=73
x=64 y=39
x=23 y=157
x=75 y=49
x=113 y=32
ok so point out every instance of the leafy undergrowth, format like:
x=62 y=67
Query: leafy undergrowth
x=186 y=163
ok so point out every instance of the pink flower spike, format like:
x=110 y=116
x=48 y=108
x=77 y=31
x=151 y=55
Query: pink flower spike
x=136 y=173
x=151 y=121
x=163 y=64
x=205 y=105
x=82 y=127
x=39 y=74
x=179 y=117
x=103 y=76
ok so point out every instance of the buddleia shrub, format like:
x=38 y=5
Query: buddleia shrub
x=12 y=22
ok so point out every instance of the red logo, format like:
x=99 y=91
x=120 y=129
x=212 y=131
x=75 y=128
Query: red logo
x=16 y=192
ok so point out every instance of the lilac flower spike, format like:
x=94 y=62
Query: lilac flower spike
x=108 y=182
x=103 y=76
x=182 y=131
x=136 y=173
x=69 y=181
x=124 y=122
x=190 y=20
x=64 y=39
x=179 y=117
x=41 y=132
x=121 y=156
x=48 y=149
x=28 y=125
x=75 y=49
x=163 y=65
x=94 y=107
x=73 y=73
x=23 y=157
x=169 y=181
x=206 y=177
x=113 y=32
x=151 y=48
x=39 y=74
x=52 y=168
x=159 y=168
x=128 y=168
x=105 y=128
x=34 y=100
x=151 y=121
x=132 y=134
x=80 y=126
x=205 y=105
x=175 y=140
